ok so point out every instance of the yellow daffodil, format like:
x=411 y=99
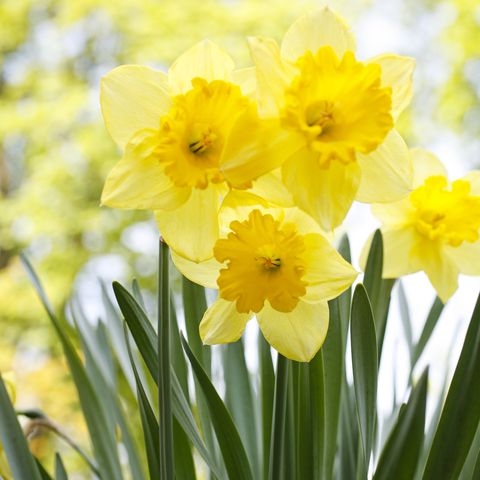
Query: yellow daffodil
x=336 y=117
x=435 y=229
x=275 y=264
x=177 y=129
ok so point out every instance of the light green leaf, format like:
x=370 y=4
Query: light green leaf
x=317 y=405
x=60 y=472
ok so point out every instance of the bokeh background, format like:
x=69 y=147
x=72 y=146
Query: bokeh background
x=55 y=153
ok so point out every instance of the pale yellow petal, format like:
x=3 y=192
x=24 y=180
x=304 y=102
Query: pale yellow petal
x=466 y=257
x=133 y=98
x=326 y=272
x=396 y=214
x=246 y=78
x=314 y=30
x=204 y=60
x=299 y=334
x=303 y=222
x=387 y=172
x=273 y=74
x=138 y=180
x=192 y=229
x=400 y=252
x=474 y=179
x=221 y=323
x=442 y=273
x=255 y=147
x=271 y=188
x=203 y=273
x=397 y=72
x=325 y=193
x=425 y=164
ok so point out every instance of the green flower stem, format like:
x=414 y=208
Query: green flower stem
x=277 y=444
x=164 y=378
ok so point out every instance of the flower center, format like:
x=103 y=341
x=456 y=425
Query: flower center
x=449 y=215
x=263 y=262
x=193 y=133
x=339 y=105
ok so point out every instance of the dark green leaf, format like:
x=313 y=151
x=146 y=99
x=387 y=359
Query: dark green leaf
x=365 y=366
x=43 y=473
x=317 y=406
x=233 y=451
x=400 y=455
x=60 y=472
x=15 y=445
x=164 y=367
x=378 y=289
x=461 y=413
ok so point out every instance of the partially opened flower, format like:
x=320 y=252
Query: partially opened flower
x=336 y=117
x=435 y=229
x=177 y=130
x=273 y=263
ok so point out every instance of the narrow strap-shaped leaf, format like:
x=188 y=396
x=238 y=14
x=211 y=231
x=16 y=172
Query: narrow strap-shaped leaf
x=164 y=376
x=178 y=358
x=365 y=367
x=60 y=472
x=277 y=442
x=430 y=323
x=378 y=289
x=400 y=455
x=405 y=318
x=317 y=406
x=290 y=458
x=43 y=473
x=461 y=413
x=267 y=390
x=345 y=299
x=334 y=368
x=184 y=465
x=20 y=459
x=239 y=399
x=146 y=339
x=105 y=448
x=233 y=451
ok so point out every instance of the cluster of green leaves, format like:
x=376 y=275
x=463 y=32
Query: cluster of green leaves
x=295 y=421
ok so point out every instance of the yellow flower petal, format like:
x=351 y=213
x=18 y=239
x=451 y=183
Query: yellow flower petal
x=425 y=164
x=327 y=273
x=204 y=273
x=314 y=30
x=138 y=180
x=133 y=98
x=442 y=273
x=325 y=193
x=387 y=172
x=273 y=74
x=205 y=60
x=400 y=247
x=299 y=334
x=222 y=323
x=271 y=187
x=192 y=229
x=466 y=257
x=395 y=214
x=246 y=78
x=397 y=73
x=255 y=147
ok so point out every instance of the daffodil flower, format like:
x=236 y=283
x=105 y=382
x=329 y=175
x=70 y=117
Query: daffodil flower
x=435 y=229
x=274 y=264
x=177 y=129
x=336 y=118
